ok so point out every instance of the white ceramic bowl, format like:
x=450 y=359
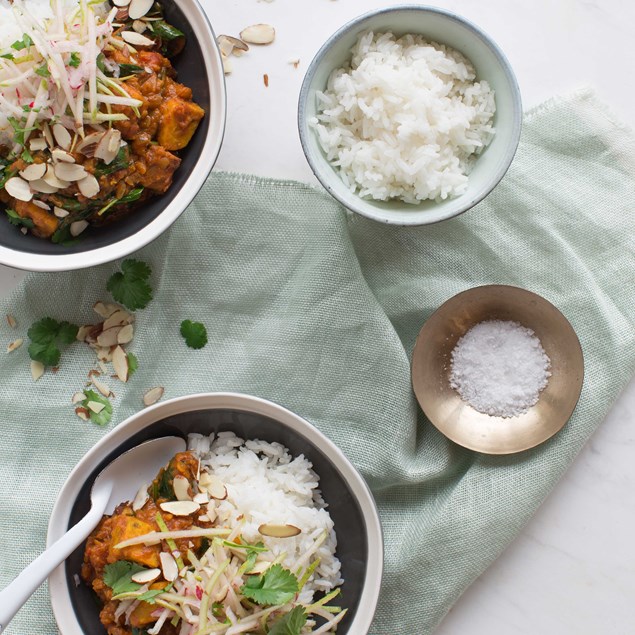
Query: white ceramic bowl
x=360 y=543
x=490 y=64
x=200 y=67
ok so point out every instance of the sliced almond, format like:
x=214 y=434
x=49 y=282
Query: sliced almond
x=78 y=397
x=95 y=406
x=181 y=488
x=88 y=186
x=136 y=39
x=213 y=486
x=168 y=566
x=118 y=318
x=88 y=145
x=138 y=8
x=225 y=46
x=84 y=332
x=140 y=499
x=62 y=155
x=62 y=136
x=201 y=498
x=180 y=508
x=108 y=337
x=120 y=363
x=51 y=179
x=37 y=370
x=125 y=335
x=82 y=413
x=41 y=205
x=153 y=395
x=121 y=3
x=48 y=135
x=108 y=147
x=260 y=567
x=15 y=345
x=235 y=43
x=146 y=576
x=70 y=172
x=279 y=531
x=43 y=187
x=33 y=172
x=295 y=63
x=101 y=387
x=78 y=227
x=18 y=188
x=104 y=353
x=103 y=368
x=228 y=67
x=37 y=144
x=11 y=321
x=60 y=213
x=139 y=26
x=105 y=309
x=258 y=34
x=203 y=519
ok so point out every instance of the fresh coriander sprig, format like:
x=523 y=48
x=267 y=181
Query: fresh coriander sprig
x=118 y=576
x=276 y=585
x=104 y=407
x=291 y=623
x=47 y=336
x=194 y=333
x=130 y=285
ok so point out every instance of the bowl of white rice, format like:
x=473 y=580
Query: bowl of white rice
x=409 y=115
x=275 y=466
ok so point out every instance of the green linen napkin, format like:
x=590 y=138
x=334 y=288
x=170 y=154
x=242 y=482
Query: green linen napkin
x=319 y=311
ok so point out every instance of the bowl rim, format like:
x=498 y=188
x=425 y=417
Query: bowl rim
x=419 y=216
x=58 y=523
x=28 y=261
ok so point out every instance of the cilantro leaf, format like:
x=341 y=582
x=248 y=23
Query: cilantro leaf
x=276 y=585
x=43 y=71
x=118 y=576
x=24 y=43
x=46 y=336
x=75 y=60
x=133 y=364
x=291 y=623
x=102 y=417
x=130 y=285
x=194 y=334
x=17 y=220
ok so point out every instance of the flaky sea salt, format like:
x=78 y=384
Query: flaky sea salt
x=499 y=367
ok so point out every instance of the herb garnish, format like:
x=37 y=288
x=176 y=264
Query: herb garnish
x=47 y=335
x=17 y=220
x=75 y=60
x=194 y=333
x=291 y=623
x=276 y=585
x=130 y=286
x=118 y=576
x=24 y=43
x=133 y=364
x=129 y=69
x=102 y=417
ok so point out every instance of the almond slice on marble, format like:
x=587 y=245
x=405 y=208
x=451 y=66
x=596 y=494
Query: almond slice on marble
x=279 y=531
x=11 y=321
x=136 y=39
x=146 y=576
x=19 y=188
x=153 y=395
x=13 y=346
x=70 y=172
x=62 y=136
x=78 y=227
x=33 y=172
x=141 y=498
x=37 y=370
x=168 y=566
x=181 y=488
x=258 y=34
x=120 y=364
x=138 y=8
x=180 y=508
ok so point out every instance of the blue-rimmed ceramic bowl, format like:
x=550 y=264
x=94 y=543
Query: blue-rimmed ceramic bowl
x=439 y=26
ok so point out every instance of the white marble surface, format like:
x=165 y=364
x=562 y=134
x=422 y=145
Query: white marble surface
x=572 y=570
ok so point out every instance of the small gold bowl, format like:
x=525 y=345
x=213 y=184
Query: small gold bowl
x=455 y=418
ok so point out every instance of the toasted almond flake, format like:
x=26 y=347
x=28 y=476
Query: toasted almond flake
x=43 y=187
x=82 y=413
x=88 y=186
x=24 y=230
x=88 y=145
x=60 y=213
x=11 y=321
x=105 y=309
x=78 y=397
x=33 y=172
x=213 y=486
x=227 y=65
x=180 y=508
x=70 y=172
x=265 y=79
x=18 y=188
x=258 y=34
x=201 y=498
x=37 y=370
x=37 y=144
x=146 y=576
x=108 y=146
x=138 y=8
x=83 y=332
x=51 y=179
x=126 y=334
x=260 y=567
x=121 y=3
x=108 y=337
x=95 y=406
x=101 y=387
x=118 y=318
x=62 y=136
x=168 y=566
x=48 y=135
x=15 y=345
x=235 y=42
x=120 y=363
x=136 y=39
x=295 y=63
x=41 y=204
x=104 y=353
x=204 y=519
x=181 y=488
x=225 y=46
x=93 y=372
x=103 y=368
x=78 y=227
x=62 y=155
x=139 y=26
x=140 y=499
x=153 y=395
x=279 y=531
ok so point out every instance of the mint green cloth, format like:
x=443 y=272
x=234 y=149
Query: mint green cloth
x=319 y=311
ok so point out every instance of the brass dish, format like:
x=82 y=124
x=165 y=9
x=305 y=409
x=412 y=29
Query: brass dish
x=456 y=419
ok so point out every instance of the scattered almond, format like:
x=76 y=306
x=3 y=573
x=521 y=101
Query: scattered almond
x=82 y=413
x=37 y=370
x=201 y=498
x=138 y=8
x=118 y=318
x=258 y=34
x=265 y=79
x=60 y=213
x=77 y=397
x=18 y=188
x=62 y=155
x=62 y=136
x=95 y=406
x=125 y=335
x=70 y=172
x=168 y=566
x=180 y=508
x=136 y=39
x=105 y=309
x=146 y=576
x=120 y=363
x=78 y=227
x=181 y=488
x=109 y=336
x=279 y=531
x=33 y=172
x=37 y=144
x=260 y=567
x=88 y=186
x=101 y=387
x=11 y=321
x=140 y=499
x=15 y=345
x=213 y=486
x=153 y=395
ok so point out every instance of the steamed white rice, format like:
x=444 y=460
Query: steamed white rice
x=405 y=119
x=265 y=485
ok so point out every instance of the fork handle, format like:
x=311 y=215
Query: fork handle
x=13 y=597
